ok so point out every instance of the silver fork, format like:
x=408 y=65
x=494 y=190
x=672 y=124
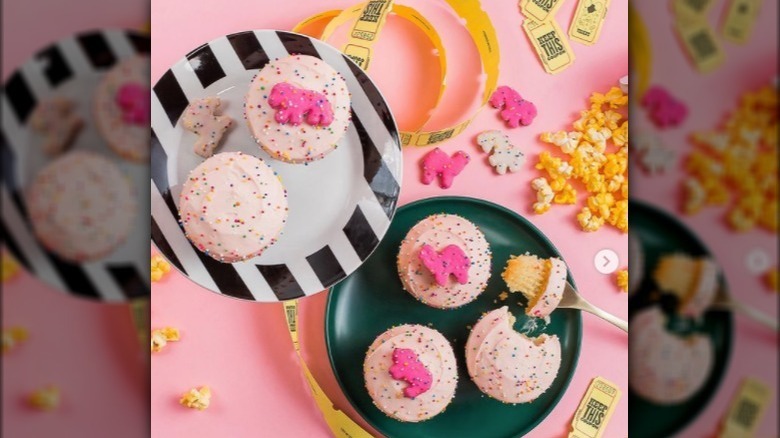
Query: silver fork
x=573 y=300
x=723 y=301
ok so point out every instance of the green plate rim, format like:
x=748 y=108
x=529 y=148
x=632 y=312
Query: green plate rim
x=728 y=350
x=485 y=203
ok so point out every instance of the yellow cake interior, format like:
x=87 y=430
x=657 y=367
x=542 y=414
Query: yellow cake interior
x=527 y=274
x=679 y=274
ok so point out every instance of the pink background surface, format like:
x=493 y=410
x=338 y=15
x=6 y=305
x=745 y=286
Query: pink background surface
x=89 y=350
x=242 y=349
x=745 y=68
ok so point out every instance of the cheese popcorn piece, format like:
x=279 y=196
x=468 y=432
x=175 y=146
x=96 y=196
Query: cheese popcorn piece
x=695 y=196
x=589 y=221
x=621 y=279
x=544 y=195
x=601 y=204
x=620 y=135
x=12 y=337
x=45 y=399
x=735 y=167
x=618 y=215
x=160 y=267
x=771 y=279
x=598 y=137
x=596 y=155
x=10 y=267
x=567 y=141
x=161 y=337
x=197 y=398
x=567 y=195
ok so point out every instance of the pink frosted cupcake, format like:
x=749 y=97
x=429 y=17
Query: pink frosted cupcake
x=121 y=108
x=666 y=368
x=233 y=206
x=444 y=261
x=298 y=108
x=507 y=365
x=81 y=206
x=541 y=281
x=694 y=280
x=411 y=373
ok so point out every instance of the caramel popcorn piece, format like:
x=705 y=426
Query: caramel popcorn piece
x=45 y=399
x=503 y=296
x=161 y=337
x=197 y=398
x=621 y=278
x=160 y=267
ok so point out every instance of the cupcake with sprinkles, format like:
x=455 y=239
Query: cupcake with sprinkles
x=507 y=365
x=233 y=206
x=410 y=373
x=541 y=281
x=121 y=108
x=81 y=206
x=444 y=261
x=298 y=108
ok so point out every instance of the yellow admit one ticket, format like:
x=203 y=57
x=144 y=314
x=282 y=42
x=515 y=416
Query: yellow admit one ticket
x=540 y=10
x=550 y=44
x=588 y=20
x=701 y=45
x=595 y=409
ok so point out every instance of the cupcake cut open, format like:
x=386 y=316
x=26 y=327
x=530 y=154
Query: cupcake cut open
x=507 y=365
x=541 y=281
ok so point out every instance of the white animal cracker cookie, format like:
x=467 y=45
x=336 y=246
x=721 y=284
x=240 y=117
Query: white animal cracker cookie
x=200 y=118
x=505 y=156
x=654 y=157
x=58 y=123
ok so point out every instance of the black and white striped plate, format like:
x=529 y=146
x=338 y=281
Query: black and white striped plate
x=71 y=67
x=340 y=206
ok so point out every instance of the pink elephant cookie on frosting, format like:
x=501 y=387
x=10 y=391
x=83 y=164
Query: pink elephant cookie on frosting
x=450 y=261
x=515 y=111
x=134 y=101
x=292 y=103
x=408 y=368
x=438 y=163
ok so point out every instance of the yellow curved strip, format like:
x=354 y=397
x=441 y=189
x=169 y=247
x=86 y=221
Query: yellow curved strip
x=371 y=17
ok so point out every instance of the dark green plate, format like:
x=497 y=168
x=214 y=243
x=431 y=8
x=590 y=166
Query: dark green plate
x=661 y=234
x=371 y=300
